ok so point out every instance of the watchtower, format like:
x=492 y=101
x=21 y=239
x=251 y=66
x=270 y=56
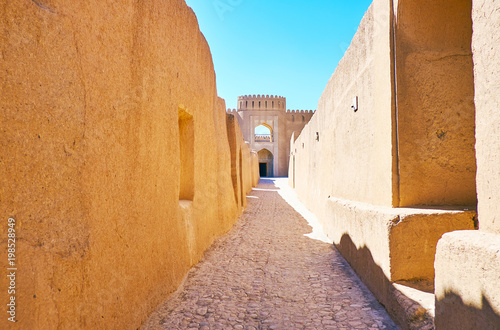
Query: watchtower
x=268 y=127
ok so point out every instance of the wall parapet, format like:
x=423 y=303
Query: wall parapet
x=261 y=102
x=261 y=97
x=288 y=111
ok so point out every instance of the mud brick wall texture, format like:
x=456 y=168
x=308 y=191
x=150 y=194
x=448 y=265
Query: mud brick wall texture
x=102 y=104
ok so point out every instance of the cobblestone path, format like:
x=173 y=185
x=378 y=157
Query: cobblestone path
x=265 y=274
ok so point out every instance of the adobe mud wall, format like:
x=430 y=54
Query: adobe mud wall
x=486 y=48
x=347 y=141
x=115 y=159
x=387 y=162
x=435 y=103
x=244 y=163
x=468 y=262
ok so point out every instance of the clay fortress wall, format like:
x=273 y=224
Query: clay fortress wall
x=119 y=166
x=403 y=147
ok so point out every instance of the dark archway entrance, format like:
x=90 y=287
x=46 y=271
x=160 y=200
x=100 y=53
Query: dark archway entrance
x=263 y=169
x=265 y=163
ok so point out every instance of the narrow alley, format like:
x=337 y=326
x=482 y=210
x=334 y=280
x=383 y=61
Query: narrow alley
x=269 y=272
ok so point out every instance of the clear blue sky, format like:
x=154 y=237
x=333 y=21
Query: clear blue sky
x=287 y=48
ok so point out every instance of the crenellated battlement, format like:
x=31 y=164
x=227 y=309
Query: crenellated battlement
x=288 y=111
x=266 y=102
x=261 y=97
x=261 y=102
x=300 y=111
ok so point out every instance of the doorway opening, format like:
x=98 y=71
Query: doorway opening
x=265 y=163
x=263 y=170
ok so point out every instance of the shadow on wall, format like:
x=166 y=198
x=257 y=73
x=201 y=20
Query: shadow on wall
x=411 y=316
x=453 y=313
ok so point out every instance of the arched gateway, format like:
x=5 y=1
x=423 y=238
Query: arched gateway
x=266 y=160
x=268 y=126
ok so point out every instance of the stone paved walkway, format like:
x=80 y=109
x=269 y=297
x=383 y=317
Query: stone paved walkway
x=265 y=274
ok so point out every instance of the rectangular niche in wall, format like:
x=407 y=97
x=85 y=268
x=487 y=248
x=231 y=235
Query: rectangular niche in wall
x=186 y=143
